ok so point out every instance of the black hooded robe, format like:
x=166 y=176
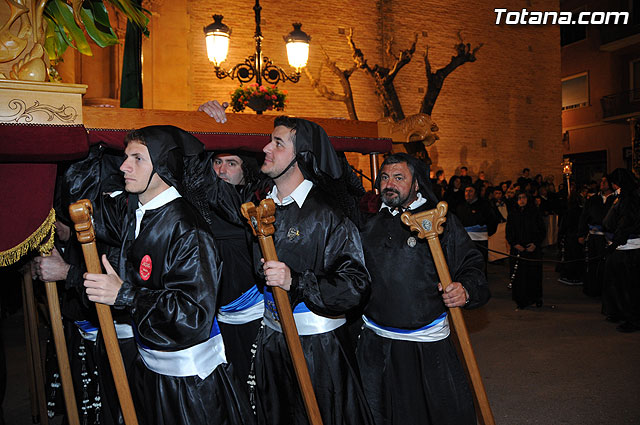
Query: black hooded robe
x=410 y=382
x=622 y=276
x=234 y=243
x=322 y=248
x=171 y=278
x=525 y=226
x=590 y=228
x=172 y=307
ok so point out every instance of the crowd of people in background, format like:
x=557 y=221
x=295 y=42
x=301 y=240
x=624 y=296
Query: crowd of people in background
x=597 y=237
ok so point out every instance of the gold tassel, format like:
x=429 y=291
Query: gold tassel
x=35 y=241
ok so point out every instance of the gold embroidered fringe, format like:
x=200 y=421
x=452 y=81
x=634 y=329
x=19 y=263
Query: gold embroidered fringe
x=35 y=241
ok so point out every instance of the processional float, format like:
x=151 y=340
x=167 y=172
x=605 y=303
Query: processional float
x=49 y=127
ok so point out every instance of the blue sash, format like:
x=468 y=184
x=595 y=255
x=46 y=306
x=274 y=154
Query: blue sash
x=250 y=298
x=477 y=232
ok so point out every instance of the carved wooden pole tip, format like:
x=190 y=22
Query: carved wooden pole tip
x=81 y=211
x=248 y=210
x=427 y=223
x=268 y=207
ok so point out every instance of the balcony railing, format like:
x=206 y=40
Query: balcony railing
x=622 y=103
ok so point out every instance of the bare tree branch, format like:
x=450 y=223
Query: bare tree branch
x=343 y=77
x=383 y=77
x=405 y=58
x=435 y=80
x=389 y=51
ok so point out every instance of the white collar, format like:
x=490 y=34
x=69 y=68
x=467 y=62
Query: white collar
x=299 y=195
x=420 y=201
x=160 y=200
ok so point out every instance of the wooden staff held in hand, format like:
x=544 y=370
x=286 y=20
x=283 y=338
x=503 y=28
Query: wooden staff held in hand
x=428 y=224
x=81 y=215
x=261 y=220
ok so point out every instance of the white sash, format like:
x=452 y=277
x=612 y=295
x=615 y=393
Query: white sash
x=434 y=331
x=307 y=322
x=243 y=316
x=201 y=359
x=631 y=244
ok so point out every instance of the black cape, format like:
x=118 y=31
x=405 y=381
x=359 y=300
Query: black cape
x=322 y=248
x=172 y=308
x=525 y=226
x=234 y=243
x=411 y=382
x=595 y=209
x=623 y=266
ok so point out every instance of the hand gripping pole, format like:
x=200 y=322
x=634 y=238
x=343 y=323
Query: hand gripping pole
x=261 y=220
x=81 y=215
x=428 y=224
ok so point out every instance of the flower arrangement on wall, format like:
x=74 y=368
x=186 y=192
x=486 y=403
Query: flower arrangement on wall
x=259 y=98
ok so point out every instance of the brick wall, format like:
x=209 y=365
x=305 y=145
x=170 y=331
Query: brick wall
x=510 y=97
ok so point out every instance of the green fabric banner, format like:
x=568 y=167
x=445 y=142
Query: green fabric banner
x=131 y=85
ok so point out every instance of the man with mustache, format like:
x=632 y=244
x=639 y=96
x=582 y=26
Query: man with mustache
x=410 y=370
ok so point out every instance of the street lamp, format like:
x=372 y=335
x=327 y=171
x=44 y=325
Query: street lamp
x=566 y=170
x=256 y=66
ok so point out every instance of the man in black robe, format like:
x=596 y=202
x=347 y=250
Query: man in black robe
x=322 y=268
x=241 y=303
x=622 y=228
x=591 y=236
x=524 y=179
x=168 y=281
x=479 y=220
x=410 y=371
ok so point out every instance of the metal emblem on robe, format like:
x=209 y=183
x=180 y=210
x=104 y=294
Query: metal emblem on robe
x=292 y=233
x=411 y=241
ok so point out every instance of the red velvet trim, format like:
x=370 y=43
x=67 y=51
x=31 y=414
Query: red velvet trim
x=42 y=143
x=26 y=191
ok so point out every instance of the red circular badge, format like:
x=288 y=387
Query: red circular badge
x=145 y=267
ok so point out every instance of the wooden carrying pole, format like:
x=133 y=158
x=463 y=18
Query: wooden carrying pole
x=34 y=357
x=81 y=215
x=55 y=315
x=428 y=224
x=261 y=220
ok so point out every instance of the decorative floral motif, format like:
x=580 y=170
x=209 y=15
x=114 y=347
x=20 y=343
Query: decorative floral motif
x=258 y=98
x=63 y=113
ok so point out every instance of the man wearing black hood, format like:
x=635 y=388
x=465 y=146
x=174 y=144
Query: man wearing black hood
x=241 y=303
x=410 y=370
x=622 y=229
x=168 y=281
x=322 y=268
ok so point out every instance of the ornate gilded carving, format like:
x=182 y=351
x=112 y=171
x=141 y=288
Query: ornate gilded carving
x=414 y=128
x=12 y=45
x=22 y=56
x=63 y=113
